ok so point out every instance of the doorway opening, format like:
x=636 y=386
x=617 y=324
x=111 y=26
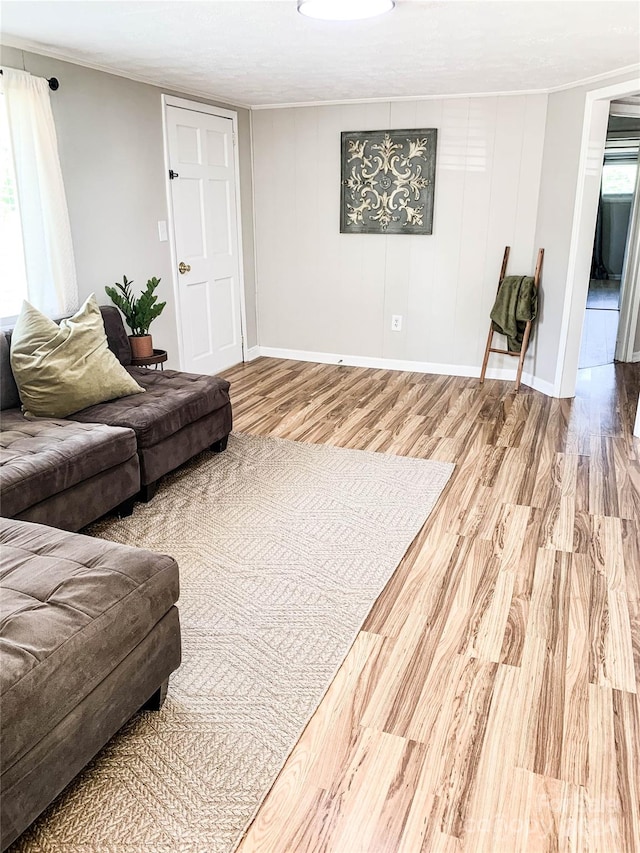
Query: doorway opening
x=600 y=343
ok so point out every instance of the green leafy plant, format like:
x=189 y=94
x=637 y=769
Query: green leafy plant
x=141 y=312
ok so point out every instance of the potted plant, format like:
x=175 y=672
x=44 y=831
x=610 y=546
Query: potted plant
x=138 y=313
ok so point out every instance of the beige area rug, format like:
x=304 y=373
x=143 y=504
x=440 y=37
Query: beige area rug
x=283 y=548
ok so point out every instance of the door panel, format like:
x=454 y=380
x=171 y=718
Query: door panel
x=188 y=139
x=217 y=150
x=195 y=302
x=189 y=219
x=224 y=320
x=220 y=225
x=206 y=238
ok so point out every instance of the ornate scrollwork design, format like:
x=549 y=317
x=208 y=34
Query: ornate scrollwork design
x=388 y=181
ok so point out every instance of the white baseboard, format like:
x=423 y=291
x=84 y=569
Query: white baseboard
x=636 y=356
x=252 y=353
x=437 y=368
x=541 y=385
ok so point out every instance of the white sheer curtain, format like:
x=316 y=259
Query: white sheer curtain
x=46 y=232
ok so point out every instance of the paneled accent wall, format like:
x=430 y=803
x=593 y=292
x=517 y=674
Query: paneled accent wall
x=325 y=292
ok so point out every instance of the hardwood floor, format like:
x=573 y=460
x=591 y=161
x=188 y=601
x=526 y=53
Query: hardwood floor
x=599 y=334
x=490 y=701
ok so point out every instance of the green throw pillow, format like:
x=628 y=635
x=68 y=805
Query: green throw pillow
x=61 y=369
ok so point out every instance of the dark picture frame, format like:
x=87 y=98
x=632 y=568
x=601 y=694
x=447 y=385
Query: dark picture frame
x=388 y=181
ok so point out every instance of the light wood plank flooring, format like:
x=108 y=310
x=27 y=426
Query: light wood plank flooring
x=490 y=702
x=599 y=334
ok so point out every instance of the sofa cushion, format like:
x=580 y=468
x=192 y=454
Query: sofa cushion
x=9 y=396
x=73 y=608
x=40 y=458
x=60 y=369
x=172 y=401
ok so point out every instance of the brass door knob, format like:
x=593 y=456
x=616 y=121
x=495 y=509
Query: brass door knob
x=183 y=268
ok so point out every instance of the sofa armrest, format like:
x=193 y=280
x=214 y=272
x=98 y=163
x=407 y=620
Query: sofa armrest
x=117 y=337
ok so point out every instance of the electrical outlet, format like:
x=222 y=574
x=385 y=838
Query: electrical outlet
x=396 y=322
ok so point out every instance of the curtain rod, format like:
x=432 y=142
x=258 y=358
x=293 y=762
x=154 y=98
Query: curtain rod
x=54 y=83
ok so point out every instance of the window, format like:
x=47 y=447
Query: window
x=619 y=178
x=36 y=251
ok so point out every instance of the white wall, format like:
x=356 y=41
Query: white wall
x=326 y=292
x=556 y=216
x=112 y=156
x=557 y=341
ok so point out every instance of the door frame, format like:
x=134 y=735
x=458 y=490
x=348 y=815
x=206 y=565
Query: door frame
x=594 y=131
x=630 y=282
x=209 y=109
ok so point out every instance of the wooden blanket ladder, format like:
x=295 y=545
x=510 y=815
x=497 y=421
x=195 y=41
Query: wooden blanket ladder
x=527 y=331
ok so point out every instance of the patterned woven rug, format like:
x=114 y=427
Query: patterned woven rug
x=283 y=548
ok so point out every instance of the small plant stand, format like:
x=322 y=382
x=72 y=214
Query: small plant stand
x=156 y=360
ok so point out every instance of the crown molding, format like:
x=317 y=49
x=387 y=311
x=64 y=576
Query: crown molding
x=606 y=75
x=396 y=99
x=52 y=53
x=597 y=78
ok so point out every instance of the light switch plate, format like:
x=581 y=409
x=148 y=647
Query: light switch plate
x=162 y=231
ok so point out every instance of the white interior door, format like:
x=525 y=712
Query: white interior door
x=203 y=195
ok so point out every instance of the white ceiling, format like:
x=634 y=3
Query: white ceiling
x=261 y=52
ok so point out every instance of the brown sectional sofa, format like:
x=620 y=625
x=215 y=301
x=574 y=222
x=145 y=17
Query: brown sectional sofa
x=52 y=471
x=63 y=473
x=180 y=415
x=57 y=471
x=89 y=632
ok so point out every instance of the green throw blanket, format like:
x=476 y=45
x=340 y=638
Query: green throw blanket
x=516 y=302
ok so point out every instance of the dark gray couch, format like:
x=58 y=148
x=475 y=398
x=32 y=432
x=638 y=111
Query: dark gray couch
x=68 y=472
x=57 y=471
x=88 y=635
x=180 y=415
x=88 y=629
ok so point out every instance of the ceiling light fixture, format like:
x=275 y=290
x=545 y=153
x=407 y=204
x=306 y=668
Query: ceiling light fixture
x=344 y=10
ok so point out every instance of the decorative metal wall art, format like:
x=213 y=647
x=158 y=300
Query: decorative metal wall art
x=388 y=181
